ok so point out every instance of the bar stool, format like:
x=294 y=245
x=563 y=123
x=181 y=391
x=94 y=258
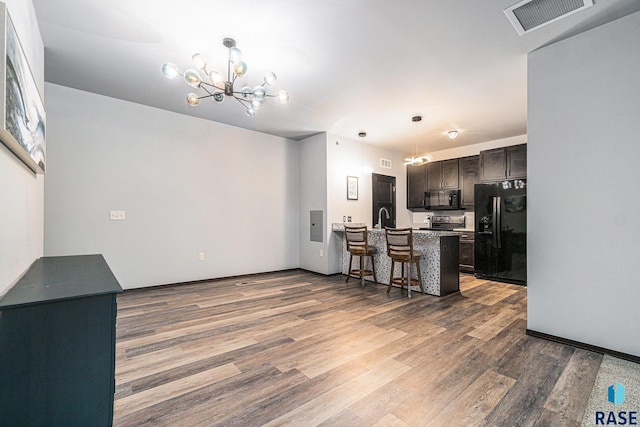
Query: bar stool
x=358 y=245
x=400 y=249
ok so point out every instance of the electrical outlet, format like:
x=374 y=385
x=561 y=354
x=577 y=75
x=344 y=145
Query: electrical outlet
x=117 y=215
x=348 y=219
x=201 y=256
x=321 y=252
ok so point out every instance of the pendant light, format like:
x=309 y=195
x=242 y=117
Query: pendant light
x=416 y=160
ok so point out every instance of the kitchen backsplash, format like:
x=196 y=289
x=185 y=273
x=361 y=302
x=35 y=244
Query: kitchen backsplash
x=419 y=217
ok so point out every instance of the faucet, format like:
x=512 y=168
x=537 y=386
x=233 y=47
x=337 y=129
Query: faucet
x=379 y=224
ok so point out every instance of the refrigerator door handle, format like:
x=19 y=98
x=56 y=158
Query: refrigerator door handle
x=494 y=222
x=499 y=223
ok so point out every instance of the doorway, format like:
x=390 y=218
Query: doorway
x=384 y=196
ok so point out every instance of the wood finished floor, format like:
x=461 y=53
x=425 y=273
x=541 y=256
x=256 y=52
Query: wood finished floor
x=296 y=348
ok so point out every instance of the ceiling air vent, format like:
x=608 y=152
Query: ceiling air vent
x=529 y=15
x=385 y=163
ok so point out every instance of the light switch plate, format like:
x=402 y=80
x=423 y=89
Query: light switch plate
x=117 y=215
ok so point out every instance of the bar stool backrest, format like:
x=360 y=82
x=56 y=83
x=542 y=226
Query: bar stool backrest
x=356 y=239
x=399 y=243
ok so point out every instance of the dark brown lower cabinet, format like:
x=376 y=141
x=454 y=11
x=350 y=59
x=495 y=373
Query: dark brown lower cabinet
x=466 y=252
x=57 y=344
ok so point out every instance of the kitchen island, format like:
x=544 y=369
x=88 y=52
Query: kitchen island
x=439 y=264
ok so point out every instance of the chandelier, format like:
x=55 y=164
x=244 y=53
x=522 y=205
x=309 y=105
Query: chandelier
x=214 y=85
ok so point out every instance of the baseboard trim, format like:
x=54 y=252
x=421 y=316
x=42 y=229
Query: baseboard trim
x=578 y=344
x=215 y=279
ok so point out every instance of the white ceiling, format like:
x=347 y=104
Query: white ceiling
x=349 y=66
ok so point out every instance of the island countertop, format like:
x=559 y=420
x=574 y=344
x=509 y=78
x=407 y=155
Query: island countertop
x=339 y=226
x=439 y=263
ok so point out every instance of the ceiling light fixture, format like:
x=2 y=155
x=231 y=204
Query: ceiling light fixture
x=452 y=134
x=417 y=160
x=215 y=86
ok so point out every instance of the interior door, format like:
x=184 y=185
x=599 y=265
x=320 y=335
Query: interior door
x=384 y=196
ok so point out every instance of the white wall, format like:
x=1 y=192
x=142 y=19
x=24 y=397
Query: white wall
x=313 y=197
x=21 y=191
x=346 y=157
x=187 y=185
x=583 y=176
x=325 y=162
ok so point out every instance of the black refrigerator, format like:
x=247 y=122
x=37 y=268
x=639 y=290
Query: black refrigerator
x=501 y=231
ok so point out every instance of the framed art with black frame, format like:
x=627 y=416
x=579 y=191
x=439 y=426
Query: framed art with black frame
x=352 y=188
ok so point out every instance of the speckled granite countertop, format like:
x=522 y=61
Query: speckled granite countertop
x=339 y=226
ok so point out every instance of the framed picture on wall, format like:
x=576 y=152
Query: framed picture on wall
x=22 y=115
x=352 y=188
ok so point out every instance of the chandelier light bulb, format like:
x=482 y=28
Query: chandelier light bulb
x=170 y=70
x=192 y=77
x=235 y=55
x=256 y=104
x=270 y=78
x=192 y=99
x=259 y=93
x=246 y=92
x=199 y=62
x=283 y=96
x=251 y=112
x=216 y=77
x=240 y=68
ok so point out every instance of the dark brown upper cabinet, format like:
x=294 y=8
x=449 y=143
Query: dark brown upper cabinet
x=443 y=175
x=517 y=161
x=416 y=186
x=469 y=176
x=503 y=163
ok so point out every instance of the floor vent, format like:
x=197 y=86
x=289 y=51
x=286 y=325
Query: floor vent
x=529 y=15
x=385 y=163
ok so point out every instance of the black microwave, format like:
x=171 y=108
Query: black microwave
x=442 y=200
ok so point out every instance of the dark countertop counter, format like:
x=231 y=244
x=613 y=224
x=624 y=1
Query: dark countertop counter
x=64 y=277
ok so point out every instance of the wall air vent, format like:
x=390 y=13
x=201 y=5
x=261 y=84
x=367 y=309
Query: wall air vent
x=529 y=15
x=385 y=163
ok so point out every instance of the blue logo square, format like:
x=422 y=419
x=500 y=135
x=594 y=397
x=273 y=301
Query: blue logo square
x=615 y=393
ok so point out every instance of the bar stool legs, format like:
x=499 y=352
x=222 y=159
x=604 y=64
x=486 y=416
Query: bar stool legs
x=361 y=272
x=405 y=278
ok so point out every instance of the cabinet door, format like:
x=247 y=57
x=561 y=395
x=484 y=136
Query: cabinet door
x=469 y=176
x=450 y=174
x=517 y=161
x=493 y=164
x=434 y=176
x=416 y=185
